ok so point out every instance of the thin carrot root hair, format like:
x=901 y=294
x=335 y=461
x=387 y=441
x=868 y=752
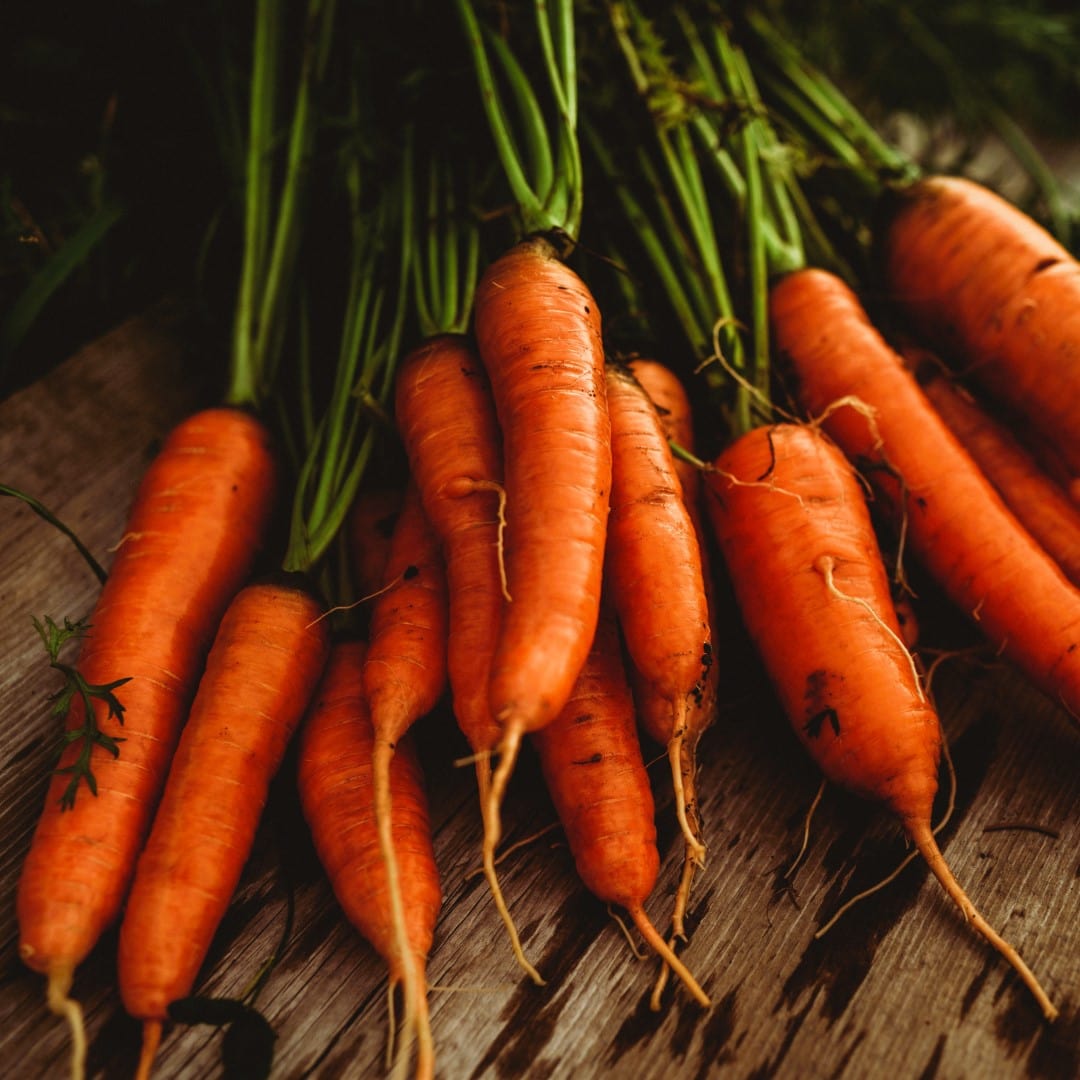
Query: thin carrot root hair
x=491 y=787
x=367 y=598
x=151 y=1040
x=825 y=566
x=806 y=830
x=470 y=487
x=620 y=922
x=666 y=953
x=58 y=997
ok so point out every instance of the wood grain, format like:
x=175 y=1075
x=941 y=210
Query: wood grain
x=899 y=988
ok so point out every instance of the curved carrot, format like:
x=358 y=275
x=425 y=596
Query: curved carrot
x=980 y=280
x=790 y=517
x=336 y=784
x=404 y=676
x=260 y=674
x=190 y=540
x=654 y=574
x=446 y=417
x=1041 y=505
x=538 y=334
x=955 y=523
x=592 y=765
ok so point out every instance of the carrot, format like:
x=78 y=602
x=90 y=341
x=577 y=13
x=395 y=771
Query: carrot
x=404 y=676
x=1041 y=505
x=368 y=530
x=538 y=334
x=190 y=540
x=336 y=785
x=980 y=280
x=954 y=521
x=446 y=418
x=592 y=766
x=667 y=393
x=261 y=672
x=654 y=572
x=791 y=520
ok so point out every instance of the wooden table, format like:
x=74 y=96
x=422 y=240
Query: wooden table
x=900 y=988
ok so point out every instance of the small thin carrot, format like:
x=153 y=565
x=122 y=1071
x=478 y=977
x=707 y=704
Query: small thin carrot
x=982 y=281
x=267 y=657
x=792 y=522
x=191 y=537
x=446 y=418
x=955 y=523
x=335 y=776
x=404 y=676
x=653 y=571
x=1041 y=505
x=592 y=765
x=668 y=394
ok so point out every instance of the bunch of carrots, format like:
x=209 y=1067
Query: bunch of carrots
x=545 y=559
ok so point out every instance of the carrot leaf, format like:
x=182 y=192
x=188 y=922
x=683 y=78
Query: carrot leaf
x=55 y=636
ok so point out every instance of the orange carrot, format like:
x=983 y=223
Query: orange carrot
x=335 y=779
x=538 y=334
x=1041 y=505
x=190 y=540
x=404 y=676
x=669 y=396
x=260 y=675
x=654 y=573
x=368 y=530
x=790 y=517
x=592 y=765
x=955 y=523
x=446 y=417
x=980 y=280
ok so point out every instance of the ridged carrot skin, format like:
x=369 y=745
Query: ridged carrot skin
x=190 y=541
x=956 y=523
x=1042 y=506
x=538 y=334
x=368 y=530
x=653 y=572
x=446 y=417
x=335 y=776
x=978 y=279
x=260 y=677
x=592 y=765
x=791 y=519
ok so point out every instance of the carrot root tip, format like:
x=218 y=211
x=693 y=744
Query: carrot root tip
x=57 y=995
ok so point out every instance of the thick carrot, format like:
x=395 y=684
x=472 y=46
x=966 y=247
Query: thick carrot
x=654 y=575
x=190 y=540
x=261 y=672
x=538 y=334
x=446 y=417
x=1043 y=507
x=982 y=281
x=954 y=521
x=335 y=779
x=404 y=676
x=593 y=768
x=791 y=519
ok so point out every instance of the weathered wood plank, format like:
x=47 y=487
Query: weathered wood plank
x=901 y=987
